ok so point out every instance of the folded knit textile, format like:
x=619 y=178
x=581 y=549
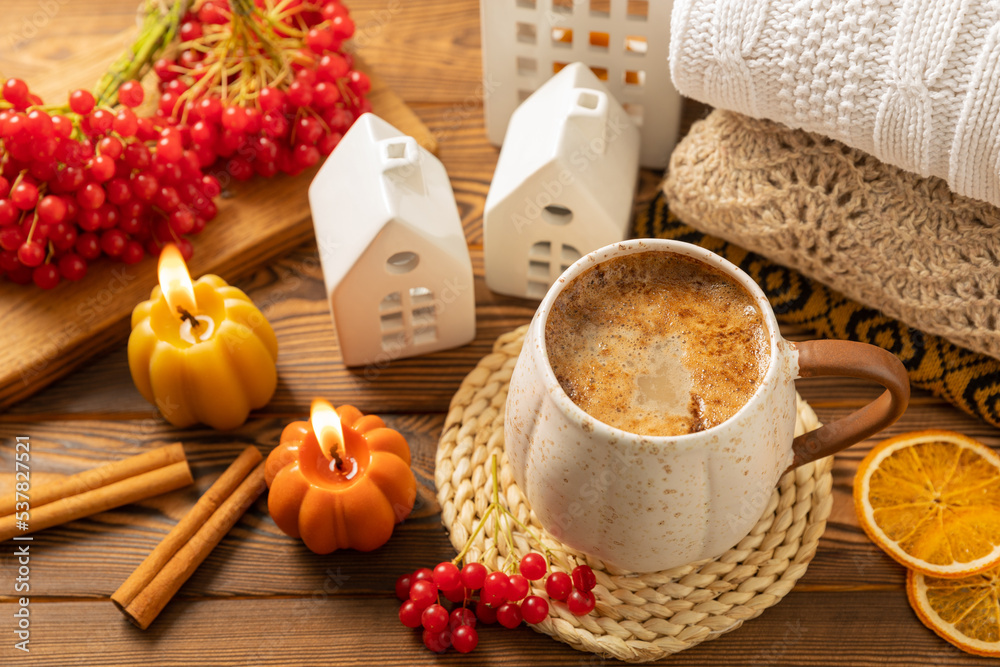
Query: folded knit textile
x=968 y=380
x=916 y=83
x=885 y=237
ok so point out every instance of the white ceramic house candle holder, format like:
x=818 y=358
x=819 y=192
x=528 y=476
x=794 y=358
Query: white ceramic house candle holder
x=394 y=255
x=626 y=42
x=563 y=184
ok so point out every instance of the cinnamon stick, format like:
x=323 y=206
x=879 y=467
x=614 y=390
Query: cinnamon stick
x=151 y=600
x=88 y=480
x=101 y=499
x=207 y=505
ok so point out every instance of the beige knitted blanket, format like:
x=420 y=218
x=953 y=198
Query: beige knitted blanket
x=885 y=237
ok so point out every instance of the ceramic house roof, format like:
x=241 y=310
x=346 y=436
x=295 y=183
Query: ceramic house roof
x=376 y=176
x=556 y=144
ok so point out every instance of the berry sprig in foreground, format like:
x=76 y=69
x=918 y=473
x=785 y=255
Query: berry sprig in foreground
x=447 y=602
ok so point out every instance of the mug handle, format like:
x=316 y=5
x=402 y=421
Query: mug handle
x=856 y=360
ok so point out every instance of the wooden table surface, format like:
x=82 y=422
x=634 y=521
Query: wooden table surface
x=261 y=598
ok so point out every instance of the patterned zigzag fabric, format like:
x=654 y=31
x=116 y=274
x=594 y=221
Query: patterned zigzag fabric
x=966 y=379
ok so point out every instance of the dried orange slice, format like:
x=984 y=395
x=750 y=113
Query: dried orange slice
x=962 y=611
x=931 y=500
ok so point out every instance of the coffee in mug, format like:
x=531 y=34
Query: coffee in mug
x=657 y=343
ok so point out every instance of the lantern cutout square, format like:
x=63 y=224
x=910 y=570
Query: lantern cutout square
x=394 y=255
x=625 y=42
x=563 y=185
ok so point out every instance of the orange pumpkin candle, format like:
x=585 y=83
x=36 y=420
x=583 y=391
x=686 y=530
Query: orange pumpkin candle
x=346 y=488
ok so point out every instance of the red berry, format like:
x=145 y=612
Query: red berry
x=495 y=589
x=136 y=155
x=90 y=196
x=113 y=242
x=359 y=82
x=464 y=639
x=583 y=578
x=211 y=12
x=100 y=121
x=342 y=26
x=132 y=253
x=485 y=613
x=8 y=213
x=434 y=618
x=240 y=169
x=110 y=147
x=319 y=39
x=270 y=99
x=517 y=588
x=61 y=127
x=534 y=609
x=46 y=276
x=423 y=574
x=234 y=118
x=447 y=576
x=558 y=586
x=101 y=168
x=307 y=130
x=181 y=221
x=72 y=266
x=209 y=109
x=24 y=195
x=457 y=594
x=474 y=575
x=51 y=209
x=403 y=586
x=437 y=641
x=423 y=593
x=533 y=566
x=15 y=91
x=509 y=614
x=305 y=155
x=325 y=95
x=88 y=245
x=581 y=603
x=210 y=186
x=190 y=30
x=38 y=124
x=300 y=94
x=31 y=253
x=170 y=148
x=409 y=614
x=332 y=66
x=333 y=9
x=167 y=199
x=131 y=93
x=461 y=616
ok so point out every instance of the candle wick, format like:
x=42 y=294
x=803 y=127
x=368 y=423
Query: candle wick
x=337 y=460
x=188 y=317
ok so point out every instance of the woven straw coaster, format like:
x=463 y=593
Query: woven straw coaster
x=639 y=617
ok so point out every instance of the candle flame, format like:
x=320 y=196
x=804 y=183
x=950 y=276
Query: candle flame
x=329 y=431
x=175 y=281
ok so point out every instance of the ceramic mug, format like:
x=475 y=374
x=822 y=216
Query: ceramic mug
x=648 y=503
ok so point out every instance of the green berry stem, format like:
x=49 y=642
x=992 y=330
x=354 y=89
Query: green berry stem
x=158 y=30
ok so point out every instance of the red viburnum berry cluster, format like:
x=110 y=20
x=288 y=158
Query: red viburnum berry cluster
x=92 y=180
x=476 y=594
x=287 y=102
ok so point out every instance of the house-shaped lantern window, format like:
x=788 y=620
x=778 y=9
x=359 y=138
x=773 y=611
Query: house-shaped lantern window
x=625 y=43
x=395 y=259
x=563 y=185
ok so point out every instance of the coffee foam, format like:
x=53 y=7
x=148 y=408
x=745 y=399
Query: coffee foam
x=657 y=343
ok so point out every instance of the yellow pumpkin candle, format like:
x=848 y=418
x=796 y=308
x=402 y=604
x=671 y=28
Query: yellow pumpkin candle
x=347 y=488
x=202 y=351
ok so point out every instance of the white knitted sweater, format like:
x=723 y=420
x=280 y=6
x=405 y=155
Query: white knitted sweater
x=916 y=83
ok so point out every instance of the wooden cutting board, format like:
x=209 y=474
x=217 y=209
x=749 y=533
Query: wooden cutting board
x=45 y=335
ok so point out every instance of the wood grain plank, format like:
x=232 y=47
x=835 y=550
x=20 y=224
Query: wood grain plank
x=108 y=546
x=863 y=629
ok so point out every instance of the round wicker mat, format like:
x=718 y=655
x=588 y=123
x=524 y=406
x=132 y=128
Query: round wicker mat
x=639 y=617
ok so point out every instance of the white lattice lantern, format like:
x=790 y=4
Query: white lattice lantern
x=625 y=42
x=395 y=259
x=563 y=185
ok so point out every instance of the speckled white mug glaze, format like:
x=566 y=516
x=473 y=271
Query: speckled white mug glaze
x=647 y=503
